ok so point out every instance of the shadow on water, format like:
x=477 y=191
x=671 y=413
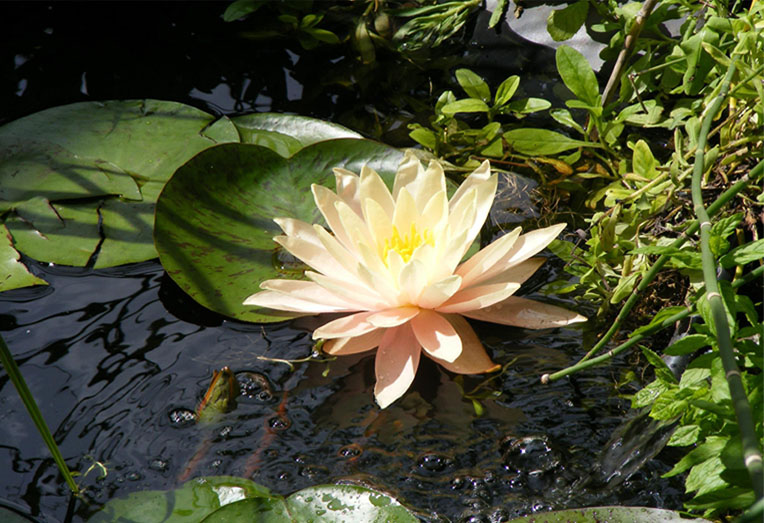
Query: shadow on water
x=118 y=359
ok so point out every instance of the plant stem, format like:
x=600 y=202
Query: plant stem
x=725 y=197
x=34 y=412
x=751 y=450
x=757 y=273
x=628 y=47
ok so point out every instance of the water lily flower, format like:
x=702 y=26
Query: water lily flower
x=392 y=263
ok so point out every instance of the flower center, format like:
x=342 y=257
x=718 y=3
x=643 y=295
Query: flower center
x=406 y=245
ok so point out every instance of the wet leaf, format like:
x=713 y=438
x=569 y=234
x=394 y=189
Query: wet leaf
x=473 y=85
x=220 y=248
x=468 y=105
x=506 y=90
x=218 y=499
x=103 y=151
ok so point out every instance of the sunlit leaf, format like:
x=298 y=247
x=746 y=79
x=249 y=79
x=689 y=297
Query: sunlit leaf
x=473 y=85
x=467 y=105
x=609 y=514
x=13 y=273
x=542 y=141
x=562 y=24
x=578 y=75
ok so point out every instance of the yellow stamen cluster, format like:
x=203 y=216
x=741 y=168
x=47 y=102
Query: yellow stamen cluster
x=406 y=245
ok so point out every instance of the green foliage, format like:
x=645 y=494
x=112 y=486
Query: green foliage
x=610 y=514
x=229 y=499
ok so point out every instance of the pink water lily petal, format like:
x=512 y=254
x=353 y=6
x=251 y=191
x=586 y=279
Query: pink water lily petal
x=284 y=302
x=396 y=364
x=313 y=292
x=522 y=312
x=354 y=344
x=478 y=297
x=472 y=269
x=436 y=293
x=473 y=358
x=436 y=335
x=393 y=317
x=350 y=325
x=374 y=188
x=527 y=245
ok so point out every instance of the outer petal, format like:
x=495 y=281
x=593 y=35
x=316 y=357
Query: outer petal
x=326 y=201
x=527 y=245
x=530 y=314
x=473 y=359
x=485 y=184
x=349 y=290
x=353 y=345
x=487 y=257
x=285 y=302
x=396 y=363
x=408 y=171
x=436 y=335
x=315 y=256
x=351 y=325
x=429 y=183
x=478 y=297
x=348 y=189
x=313 y=292
x=516 y=273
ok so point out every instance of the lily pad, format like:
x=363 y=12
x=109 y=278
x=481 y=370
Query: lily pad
x=190 y=503
x=221 y=247
x=294 y=131
x=111 y=154
x=609 y=514
x=229 y=499
x=325 y=503
x=13 y=273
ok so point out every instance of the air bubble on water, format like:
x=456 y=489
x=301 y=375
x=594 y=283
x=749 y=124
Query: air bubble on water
x=181 y=417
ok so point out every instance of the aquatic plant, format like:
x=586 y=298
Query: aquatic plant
x=393 y=263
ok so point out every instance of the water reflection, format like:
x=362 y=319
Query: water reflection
x=118 y=360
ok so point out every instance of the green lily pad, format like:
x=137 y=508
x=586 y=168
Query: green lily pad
x=214 y=219
x=231 y=500
x=609 y=514
x=190 y=503
x=325 y=503
x=13 y=273
x=115 y=155
x=287 y=134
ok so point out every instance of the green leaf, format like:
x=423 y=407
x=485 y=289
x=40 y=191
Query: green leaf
x=13 y=273
x=683 y=436
x=540 y=142
x=306 y=131
x=577 y=75
x=564 y=117
x=643 y=161
x=609 y=514
x=657 y=362
x=76 y=157
x=743 y=254
x=658 y=319
x=562 y=24
x=709 y=449
x=466 y=105
x=526 y=106
x=214 y=220
x=624 y=287
x=424 y=137
x=498 y=13
x=473 y=85
x=241 y=8
x=687 y=345
x=506 y=90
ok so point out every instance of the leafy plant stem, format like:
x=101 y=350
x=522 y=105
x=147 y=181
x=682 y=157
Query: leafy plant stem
x=758 y=272
x=725 y=197
x=628 y=47
x=751 y=450
x=34 y=412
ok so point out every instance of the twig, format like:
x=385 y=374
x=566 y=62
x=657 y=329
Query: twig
x=751 y=450
x=628 y=47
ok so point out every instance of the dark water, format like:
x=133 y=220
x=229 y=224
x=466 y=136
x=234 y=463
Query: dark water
x=119 y=358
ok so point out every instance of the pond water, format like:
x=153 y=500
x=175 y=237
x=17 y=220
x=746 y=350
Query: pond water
x=118 y=359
